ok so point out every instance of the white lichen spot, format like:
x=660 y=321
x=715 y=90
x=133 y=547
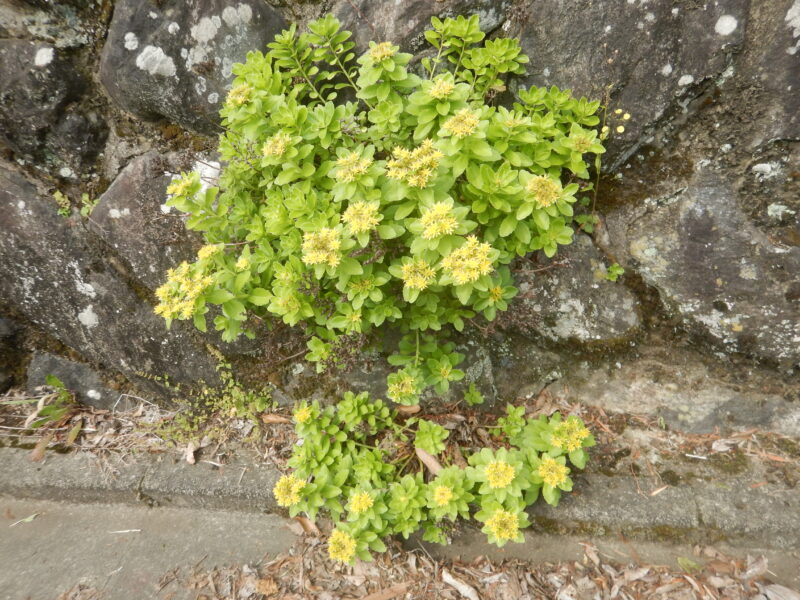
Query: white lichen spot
x=200 y=86
x=776 y=211
x=21 y=205
x=131 y=41
x=793 y=18
x=94 y=394
x=685 y=80
x=213 y=98
x=44 y=56
x=649 y=17
x=748 y=272
x=116 y=213
x=675 y=12
x=726 y=25
x=725 y=148
x=173 y=28
x=666 y=70
x=66 y=172
x=184 y=53
x=152 y=15
x=204 y=31
x=88 y=318
x=608 y=28
x=165 y=209
x=546 y=72
x=153 y=60
x=233 y=16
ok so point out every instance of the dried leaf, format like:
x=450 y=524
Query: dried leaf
x=73 y=433
x=308 y=525
x=190 y=449
x=755 y=568
x=688 y=565
x=27 y=519
x=408 y=410
x=267 y=586
x=37 y=454
x=723 y=445
x=389 y=593
x=429 y=461
x=270 y=419
x=466 y=590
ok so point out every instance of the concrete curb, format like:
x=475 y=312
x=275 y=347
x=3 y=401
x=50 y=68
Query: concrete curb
x=724 y=510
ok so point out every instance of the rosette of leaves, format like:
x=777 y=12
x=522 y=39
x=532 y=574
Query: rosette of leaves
x=448 y=494
x=406 y=502
x=502 y=523
x=370 y=466
x=430 y=436
x=499 y=474
x=362 y=417
x=367 y=509
x=401 y=208
x=556 y=437
x=551 y=474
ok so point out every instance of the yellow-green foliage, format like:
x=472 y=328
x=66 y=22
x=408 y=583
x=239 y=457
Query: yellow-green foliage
x=402 y=207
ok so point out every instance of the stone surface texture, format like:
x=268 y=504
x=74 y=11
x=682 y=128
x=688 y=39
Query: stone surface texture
x=701 y=204
x=78 y=378
x=131 y=218
x=173 y=59
x=40 y=119
x=573 y=300
x=52 y=275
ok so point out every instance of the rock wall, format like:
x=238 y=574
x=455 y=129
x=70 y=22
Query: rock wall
x=700 y=202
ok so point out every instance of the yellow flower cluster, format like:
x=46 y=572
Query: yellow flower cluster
x=349 y=167
x=463 y=123
x=322 y=247
x=276 y=145
x=504 y=525
x=499 y=474
x=341 y=546
x=441 y=88
x=438 y=220
x=287 y=490
x=417 y=274
x=545 y=190
x=243 y=263
x=179 y=293
x=239 y=94
x=442 y=495
x=469 y=262
x=496 y=294
x=415 y=167
x=179 y=187
x=404 y=386
x=361 y=502
x=552 y=472
x=303 y=414
x=382 y=51
x=361 y=216
x=208 y=251
x=569 y=435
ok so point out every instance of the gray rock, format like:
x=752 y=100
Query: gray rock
x=78 y=378
x=573 y=301
x=173 y=59
x=38 y=117
x=50 y=274
x=130 y=219
x=653 y=55
x=686 y=388
x=404 y=22
x=729 y=282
